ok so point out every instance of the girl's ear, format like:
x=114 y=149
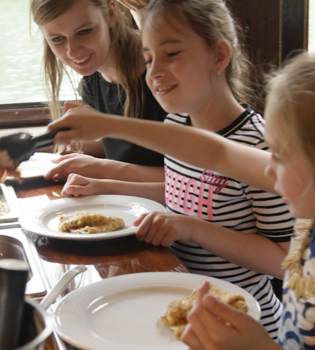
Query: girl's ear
x=223 y=55
x=112 y=11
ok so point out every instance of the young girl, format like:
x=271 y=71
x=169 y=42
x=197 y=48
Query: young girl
x=95 y=39
x=194 y=63
x=290 y=121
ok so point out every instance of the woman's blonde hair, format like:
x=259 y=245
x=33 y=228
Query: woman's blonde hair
x=211 y=20
x=292 y=91
x=135 y=5
x=126 y=41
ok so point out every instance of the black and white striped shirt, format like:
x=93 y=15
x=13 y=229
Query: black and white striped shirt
x=226 y=202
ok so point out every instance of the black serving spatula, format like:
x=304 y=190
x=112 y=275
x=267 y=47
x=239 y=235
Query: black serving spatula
x=21 y=146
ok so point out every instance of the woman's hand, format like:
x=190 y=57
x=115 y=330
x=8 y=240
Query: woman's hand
x=79 y=164
x=78 y=185
x=163 y=228
x=213 y=325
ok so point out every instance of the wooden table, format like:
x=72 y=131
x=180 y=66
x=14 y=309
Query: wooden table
x=103 y=259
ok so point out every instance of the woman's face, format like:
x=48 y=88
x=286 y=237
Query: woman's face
x=291 y=172
x=179 y=66
x=80 y=38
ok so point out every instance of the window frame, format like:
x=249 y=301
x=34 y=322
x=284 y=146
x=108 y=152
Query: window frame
x=24 y=115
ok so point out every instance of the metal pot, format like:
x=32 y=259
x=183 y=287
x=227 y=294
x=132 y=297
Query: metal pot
x=36 y=326
x=36 y=323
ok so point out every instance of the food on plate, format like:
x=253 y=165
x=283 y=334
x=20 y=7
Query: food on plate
x=4 y=208
x=8 y=167
x=16 y=174
x=175 y=316
x=85 y=222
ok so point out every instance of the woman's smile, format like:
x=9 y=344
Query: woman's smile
x=82 y=61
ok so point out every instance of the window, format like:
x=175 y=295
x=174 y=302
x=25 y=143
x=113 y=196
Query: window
x=311 y=26
x=20 y=69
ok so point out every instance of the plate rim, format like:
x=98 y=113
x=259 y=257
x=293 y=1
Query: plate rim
x=25 y=222
x=41 y=155
x=148 y=277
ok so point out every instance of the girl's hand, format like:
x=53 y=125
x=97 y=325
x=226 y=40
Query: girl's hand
x=213 y=325
x=162 y=228
x=78 y=185
x=85 y=124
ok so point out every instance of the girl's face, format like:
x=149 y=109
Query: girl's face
x=80 y=38
x=290 y=170
x=179 y=66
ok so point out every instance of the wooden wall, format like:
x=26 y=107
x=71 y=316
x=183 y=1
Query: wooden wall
x=273 y=29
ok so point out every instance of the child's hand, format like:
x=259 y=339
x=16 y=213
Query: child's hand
x=78 y=185
x=214 y=325
x=85 y=124
x=162 y=228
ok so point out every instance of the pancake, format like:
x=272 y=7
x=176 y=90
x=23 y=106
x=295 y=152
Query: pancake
x=84 y=222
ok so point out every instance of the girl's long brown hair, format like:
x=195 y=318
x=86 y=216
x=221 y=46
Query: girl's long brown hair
x=212 y=20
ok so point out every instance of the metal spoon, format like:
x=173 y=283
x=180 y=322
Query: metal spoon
x=21 y=146
x=61 y=285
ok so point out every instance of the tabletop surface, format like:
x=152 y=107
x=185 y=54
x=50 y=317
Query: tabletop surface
x=103 y=259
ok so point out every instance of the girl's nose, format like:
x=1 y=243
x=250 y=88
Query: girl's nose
x=155 y=70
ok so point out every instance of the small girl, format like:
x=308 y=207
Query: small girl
x=290 y=121
x=195 y=66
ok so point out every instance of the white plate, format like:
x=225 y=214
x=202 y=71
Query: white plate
x=122 y=312
x=37 y=166
x=43 y=220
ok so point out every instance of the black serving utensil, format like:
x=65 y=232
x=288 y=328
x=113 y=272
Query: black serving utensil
x=21 y=146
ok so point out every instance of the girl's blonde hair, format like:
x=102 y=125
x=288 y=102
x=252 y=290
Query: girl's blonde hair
x=211 y=20
x=292 y=91
x=126 y=41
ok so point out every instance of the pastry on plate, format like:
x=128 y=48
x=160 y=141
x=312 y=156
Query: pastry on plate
x=175 y=315
x=84 y=222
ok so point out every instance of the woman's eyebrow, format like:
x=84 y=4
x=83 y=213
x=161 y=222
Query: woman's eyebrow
x=75 y=30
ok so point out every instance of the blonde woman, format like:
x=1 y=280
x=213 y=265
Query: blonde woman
x=96 y=39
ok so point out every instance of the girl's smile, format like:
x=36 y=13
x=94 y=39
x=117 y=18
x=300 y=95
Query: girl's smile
x=163 y=90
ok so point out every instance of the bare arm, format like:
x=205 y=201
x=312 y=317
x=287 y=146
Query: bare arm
x=77 y=185
x=133 y=172
x=250 y=250
x=247 y=249
x=197 y=147
x=113 y=169
x=99 y=168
